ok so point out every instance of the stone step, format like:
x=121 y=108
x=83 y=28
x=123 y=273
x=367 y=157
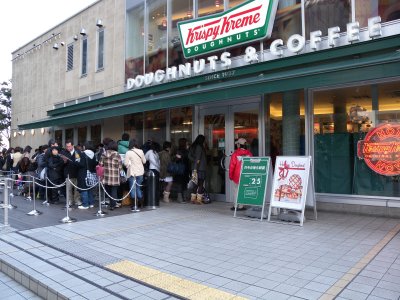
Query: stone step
x=54 y=274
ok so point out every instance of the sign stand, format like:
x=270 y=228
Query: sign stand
x=255 y=180
x=293 y=188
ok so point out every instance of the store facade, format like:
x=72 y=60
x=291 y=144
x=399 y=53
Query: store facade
x=318 y=95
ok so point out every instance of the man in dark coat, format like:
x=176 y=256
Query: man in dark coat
x=69 y=156
x=55 y=166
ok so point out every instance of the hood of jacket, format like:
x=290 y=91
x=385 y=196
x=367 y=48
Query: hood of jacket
x=89 y=153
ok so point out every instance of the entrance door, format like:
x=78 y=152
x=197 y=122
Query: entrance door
x=222 y=126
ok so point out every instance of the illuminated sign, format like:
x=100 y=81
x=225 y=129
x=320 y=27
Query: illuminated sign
x=295 y=44
x=252 y=20
x=381 y=149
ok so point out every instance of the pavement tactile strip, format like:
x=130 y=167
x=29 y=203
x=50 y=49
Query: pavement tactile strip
x=173 y=284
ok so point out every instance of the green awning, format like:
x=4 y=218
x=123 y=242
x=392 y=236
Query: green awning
x=327 y=67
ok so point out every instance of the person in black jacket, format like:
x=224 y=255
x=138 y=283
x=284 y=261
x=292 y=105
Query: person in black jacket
x=70 y=155
x=55 y=166
x=86 y=162
x=182 y=156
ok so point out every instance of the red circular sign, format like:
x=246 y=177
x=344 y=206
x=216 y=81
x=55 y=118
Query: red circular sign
x=381 y=149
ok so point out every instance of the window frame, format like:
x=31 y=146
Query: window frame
x=70 y=46
x=84 y=56
x=100 y=50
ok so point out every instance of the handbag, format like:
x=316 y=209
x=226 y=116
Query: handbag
x=122 y=176
x=100 y=171
x=193 y=180
x=43 y=174
x=91 y=179
x=176 y=168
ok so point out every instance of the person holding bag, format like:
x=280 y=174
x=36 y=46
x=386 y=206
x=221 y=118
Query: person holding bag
x=134 y=161
x=197 y=156
x=111 y=161
x=86 y=162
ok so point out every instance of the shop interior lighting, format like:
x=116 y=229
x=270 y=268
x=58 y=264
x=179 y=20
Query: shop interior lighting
x=217 y=3
x=189 y=12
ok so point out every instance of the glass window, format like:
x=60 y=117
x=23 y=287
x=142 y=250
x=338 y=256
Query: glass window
x=181 y=124
x=100 y=50
x=155 y=126
x=95 y=134
x=342 y=118
x=82 y=132
x=233 y=3
x=58 y=136
x=69 y=134
x=323 y=14
x=133 y=124
x=156 y=54
x=388 y=10
x=285 y=123
x=181 y=10
x=70 y=57
x=209 y=7
x=134 y=38
x=84 y=56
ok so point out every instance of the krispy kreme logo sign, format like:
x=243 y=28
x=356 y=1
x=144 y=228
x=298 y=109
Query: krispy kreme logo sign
x=252 y=20
x=381 y=149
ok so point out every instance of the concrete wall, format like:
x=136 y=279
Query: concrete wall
x=40 y=79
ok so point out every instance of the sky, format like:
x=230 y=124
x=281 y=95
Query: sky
x=21 y=21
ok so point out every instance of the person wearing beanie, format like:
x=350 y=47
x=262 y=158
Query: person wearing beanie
x=235 y=167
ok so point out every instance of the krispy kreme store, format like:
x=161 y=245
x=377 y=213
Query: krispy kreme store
x=310 y=77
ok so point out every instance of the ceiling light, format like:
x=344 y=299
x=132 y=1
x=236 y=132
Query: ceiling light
x=83 y=32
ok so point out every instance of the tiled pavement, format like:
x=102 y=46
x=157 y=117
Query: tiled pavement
x=205 y=249
x=11 y=290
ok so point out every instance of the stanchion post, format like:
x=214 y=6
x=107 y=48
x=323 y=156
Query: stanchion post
x=9 y=205
x=100 y=212
x=135 y=209
x=29 y=198
x=46 y=202
x=67 y=219
x=34 y=212
x=5 y=203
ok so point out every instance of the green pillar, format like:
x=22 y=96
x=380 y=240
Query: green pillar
x=339 y=116
x=291 y=123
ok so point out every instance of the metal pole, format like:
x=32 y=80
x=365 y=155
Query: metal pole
x=67 y=219
x=46 y=202
x=5 y=202
x=29 y=198
x=9 y=205
x=34 y=212
x=135 y=209
x=100 y=212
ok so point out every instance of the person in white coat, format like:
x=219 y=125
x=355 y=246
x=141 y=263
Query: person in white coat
x=134 y=161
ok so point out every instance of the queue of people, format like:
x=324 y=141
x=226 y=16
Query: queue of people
x=122 y=162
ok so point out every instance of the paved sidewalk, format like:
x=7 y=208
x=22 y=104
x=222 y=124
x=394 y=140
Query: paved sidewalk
x=11 y=290
x=202 y=252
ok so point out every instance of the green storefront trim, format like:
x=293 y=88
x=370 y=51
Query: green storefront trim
x=376 y=59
